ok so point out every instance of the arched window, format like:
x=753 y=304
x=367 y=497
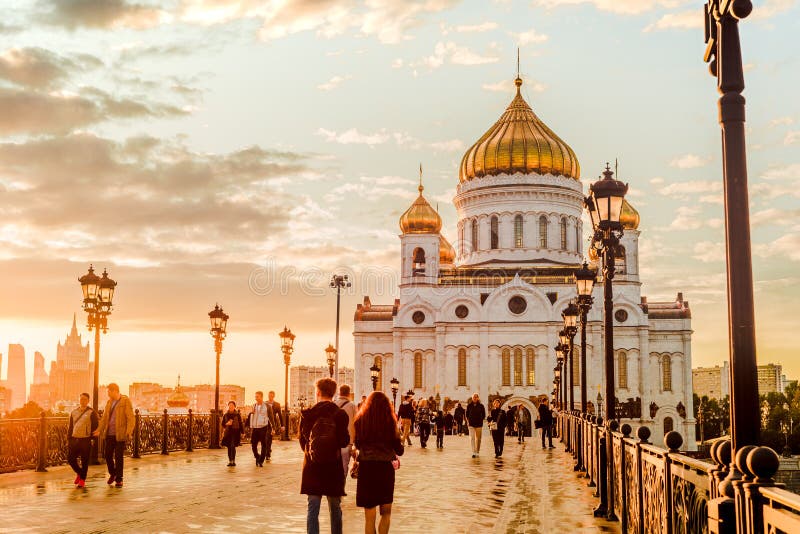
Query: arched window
x=622 y=370
x=462 y=367
x=518 y=231
x=563 y=233
x=417 y=370
x=576 y=366
x=542 y=232
x=530 y=366
x=668 y=425
x=578 y=238
x=506 y=367
x=666 y=373
x=517 y=367
x=474 y=235
x=620 y=260
x=495 y=236
x=419 y=262
x=379 y=364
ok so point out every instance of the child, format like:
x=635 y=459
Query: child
x=439 y=420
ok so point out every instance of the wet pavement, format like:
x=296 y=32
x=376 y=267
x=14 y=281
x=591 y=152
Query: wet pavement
x=529 y=490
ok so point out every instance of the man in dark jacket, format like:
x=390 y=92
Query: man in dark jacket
x=406 y=415
x=476 y=413
x=546 y=418
x=322 y=461
x=458 y=415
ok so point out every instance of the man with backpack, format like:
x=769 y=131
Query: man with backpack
x=323 y=434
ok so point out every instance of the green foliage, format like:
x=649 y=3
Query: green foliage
x=29 y=410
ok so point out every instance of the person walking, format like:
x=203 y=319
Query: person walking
x=458 y=416
x=423 y=417
x=510 y=421
x=476 y=413
x=406 y=414
x=116 y=427
x=497 y=425
x=277 y=420
x=448 y=423
x=82 y=424
x=441 y=427
x=232 y=432
x=378 y=443
x=261 y=420
x=522 y=424
x=546 y=422
x=344 y=403
x=323 y=434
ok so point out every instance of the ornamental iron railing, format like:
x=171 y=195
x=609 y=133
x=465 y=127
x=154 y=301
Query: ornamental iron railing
x=39 y=443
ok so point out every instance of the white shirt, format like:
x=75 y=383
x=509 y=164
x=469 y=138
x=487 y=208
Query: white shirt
x=260 y=419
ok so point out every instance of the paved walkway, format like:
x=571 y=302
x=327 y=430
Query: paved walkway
x=529 y=490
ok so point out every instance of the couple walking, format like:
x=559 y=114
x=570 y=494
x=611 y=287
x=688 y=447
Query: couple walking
x=263 y=420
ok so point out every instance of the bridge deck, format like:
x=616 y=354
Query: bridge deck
x=530 y=490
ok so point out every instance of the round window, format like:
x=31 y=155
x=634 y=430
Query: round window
x=461 y=311
x=517 y=304
x=621 y=316
x=418 y=317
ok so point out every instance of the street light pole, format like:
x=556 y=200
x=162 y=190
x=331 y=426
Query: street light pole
x=373 y=373
x=570 y=315
x=395 y=387
x=584 y=279
x=98 y=296
x=219 y=325
x=287 y=346
x=330 y=357
x=338 y=281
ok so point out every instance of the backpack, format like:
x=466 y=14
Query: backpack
x=323 y=444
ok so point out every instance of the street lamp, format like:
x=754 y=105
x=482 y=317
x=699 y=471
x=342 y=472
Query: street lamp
x=373 y=373
x=604 y=204
x=570 y=315
x=330 y=356
x=563 y=344
x=219 y=325
x=395 y=387
x=788 y=430
x=584 y=280
x=287 y=342
x=702 y=416
x=338 y=282
x=98 y=296
x=599 y=405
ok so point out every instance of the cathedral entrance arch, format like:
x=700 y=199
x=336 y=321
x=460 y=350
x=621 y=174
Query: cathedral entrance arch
x=530 y=410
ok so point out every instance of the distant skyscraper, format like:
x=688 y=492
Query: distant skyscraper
x=39 y=372
x=70 y=373
x=16 y=375
x=40 y=387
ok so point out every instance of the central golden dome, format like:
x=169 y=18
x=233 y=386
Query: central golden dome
x=519 y=142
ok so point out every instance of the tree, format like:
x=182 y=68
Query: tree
x=29 y=410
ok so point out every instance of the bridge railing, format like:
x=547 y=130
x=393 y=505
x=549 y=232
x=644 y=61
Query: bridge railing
x=39 y=443
x=657 y=490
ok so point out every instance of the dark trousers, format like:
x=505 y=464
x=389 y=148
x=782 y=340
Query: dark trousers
x=231 y=451
x=440 y=437
x=499 y=440
x=79 y=448
x=114 y=457
x=521 y=428
x=424 y=433
x=547 y=431
x=263 y=436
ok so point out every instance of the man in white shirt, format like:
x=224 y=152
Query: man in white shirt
x=261 y=420
x=349 y=408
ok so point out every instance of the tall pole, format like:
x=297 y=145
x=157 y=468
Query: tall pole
x=584 y=313
x=610 y=243
x=285 y=436
x=725 y=56
x=95 y=452
x=571 y=371
x=215 y=418
x=336 y=363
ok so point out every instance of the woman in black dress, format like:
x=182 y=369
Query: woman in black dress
x=232 y=428
x=378 y=443
x=497 y=423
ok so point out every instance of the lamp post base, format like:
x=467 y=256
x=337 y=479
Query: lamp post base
x=214 y=437
x=285 y=433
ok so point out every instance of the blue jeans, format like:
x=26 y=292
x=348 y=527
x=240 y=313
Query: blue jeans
x=312 y=519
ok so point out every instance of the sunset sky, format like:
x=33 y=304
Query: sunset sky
x=240 y=152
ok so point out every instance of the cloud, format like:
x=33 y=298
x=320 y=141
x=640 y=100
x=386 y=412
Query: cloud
x=38 y=68
x=103 y=14
x=387 y=180
x=684 y=20
x=622 y=7
x=776 y=216
x=529 y=37
x=333 y=83
x=687 y=218
x=449 y=52
x=770 y=8
x=452 y=145
x=477 y=28
x=687 y=190
x=781 y=121
x=369 y=191
x=507 y=86
x=690 y=161
x=709 y=252
x=787 y=246
x=354 y=137
x=792 y=137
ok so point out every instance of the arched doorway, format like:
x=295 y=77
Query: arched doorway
x=528 y=411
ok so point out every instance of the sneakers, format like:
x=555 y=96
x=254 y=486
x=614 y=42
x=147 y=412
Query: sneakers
x=110 y=480
x=230 y=464
x=81 y=483
x=118 y=484
x=77 y=479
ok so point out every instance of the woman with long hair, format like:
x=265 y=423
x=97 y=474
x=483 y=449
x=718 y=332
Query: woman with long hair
x=378 y=444
x=232 y=432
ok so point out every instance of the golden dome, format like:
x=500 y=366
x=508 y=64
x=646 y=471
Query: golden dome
x=519 y=142
x=447 y=254
x=178 y=399
x=420 y=218
x=629 y=217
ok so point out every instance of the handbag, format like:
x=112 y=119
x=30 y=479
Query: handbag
x=354 y=469
x=492 y=426
x=396 y=463
x=537 y=423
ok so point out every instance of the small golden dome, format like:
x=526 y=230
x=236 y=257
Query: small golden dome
x=519 y=142
x=447 y=254
x=420 y=218
x=629 y=217
x=178 y=399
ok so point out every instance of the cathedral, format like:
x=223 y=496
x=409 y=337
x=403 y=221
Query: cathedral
x=486 y=318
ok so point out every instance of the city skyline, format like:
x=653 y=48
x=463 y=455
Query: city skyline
x=304 y=124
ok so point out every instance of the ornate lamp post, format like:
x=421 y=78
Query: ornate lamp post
x=338 y=282
x=599 y=405
x=570 y=315
x=219 y=325
x=395 y=387
x=287 y=342
x=98 y=296
x=788 y=428
x=566 y=374
x=330 y=356
x=702 y=416
x=373 y=373
x=584 y=280
x=605 y=206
